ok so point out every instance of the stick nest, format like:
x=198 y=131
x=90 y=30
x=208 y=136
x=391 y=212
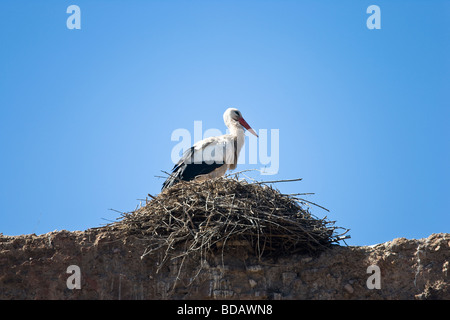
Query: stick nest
x=196 y=217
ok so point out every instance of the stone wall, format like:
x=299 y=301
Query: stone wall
x=112 y=267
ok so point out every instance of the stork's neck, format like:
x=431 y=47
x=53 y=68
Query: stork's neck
x=236 y=130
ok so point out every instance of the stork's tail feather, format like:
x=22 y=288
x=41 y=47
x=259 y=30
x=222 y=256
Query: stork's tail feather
x=171 y=180
x=174 y=177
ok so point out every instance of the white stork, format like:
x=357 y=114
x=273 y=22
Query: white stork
x=212 y=157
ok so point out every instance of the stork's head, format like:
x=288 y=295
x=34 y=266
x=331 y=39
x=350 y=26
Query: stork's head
x=234 y=116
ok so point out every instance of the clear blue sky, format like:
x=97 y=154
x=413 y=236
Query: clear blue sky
x=363 y=115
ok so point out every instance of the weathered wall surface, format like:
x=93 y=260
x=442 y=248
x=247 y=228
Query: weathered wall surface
x=112 y=267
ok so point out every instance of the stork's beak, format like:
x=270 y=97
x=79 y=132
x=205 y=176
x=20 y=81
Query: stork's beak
x=246 y=126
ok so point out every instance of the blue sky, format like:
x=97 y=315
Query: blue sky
x=363 y=115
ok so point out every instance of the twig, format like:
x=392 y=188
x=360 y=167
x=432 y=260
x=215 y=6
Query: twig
x=239 y=172
x=315 y=204
x=121 y=212
x=276 y=181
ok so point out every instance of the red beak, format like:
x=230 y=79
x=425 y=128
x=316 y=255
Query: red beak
x=246 y=126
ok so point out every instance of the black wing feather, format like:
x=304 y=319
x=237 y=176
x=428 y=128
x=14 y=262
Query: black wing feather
x=187 y=170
